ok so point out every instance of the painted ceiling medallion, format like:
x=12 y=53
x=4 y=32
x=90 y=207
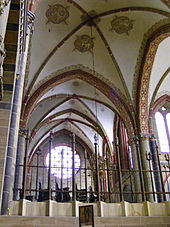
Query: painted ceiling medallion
x=57 y=14
x=84 y=43
x=121 y=24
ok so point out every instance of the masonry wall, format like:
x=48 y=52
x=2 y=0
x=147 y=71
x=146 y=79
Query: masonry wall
x=4 y=127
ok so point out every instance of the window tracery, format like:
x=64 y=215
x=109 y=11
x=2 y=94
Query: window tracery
x=61 y=162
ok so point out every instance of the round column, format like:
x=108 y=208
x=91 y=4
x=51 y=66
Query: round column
x=157 y=171
x=135 y=169
x=14 y=121
x=145 y=151
x=19 y=162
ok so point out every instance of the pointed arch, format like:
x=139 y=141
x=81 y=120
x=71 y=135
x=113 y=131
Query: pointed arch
x=142 y=108
x=95 y=81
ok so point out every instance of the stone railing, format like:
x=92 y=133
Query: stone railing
x=23 y=25
x=101 y=209
x=26 y=23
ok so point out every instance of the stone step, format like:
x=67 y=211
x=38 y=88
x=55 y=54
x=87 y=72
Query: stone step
x=18 y=221
x=76 y=225
x=154 y=221
x=37 y=221
x=38 y=225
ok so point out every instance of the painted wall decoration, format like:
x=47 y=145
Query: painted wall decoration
x=84 y=43
x=57 y=14
x=121 y=24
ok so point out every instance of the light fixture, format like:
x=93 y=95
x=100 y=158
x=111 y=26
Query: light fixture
x=96 y=136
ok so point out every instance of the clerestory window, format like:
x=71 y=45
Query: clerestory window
x=162 y=118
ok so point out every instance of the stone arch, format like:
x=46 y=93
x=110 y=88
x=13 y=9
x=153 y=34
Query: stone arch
x=156 y=105
x=144 y=78
x=57 y=78
x=159 y=102
x=62 y=131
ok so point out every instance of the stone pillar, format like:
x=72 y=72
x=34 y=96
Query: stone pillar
x=144 y=151
x=4 y=111
x=4 y=12
x=136 y=173
x=19 y=161
x=9 y=164
x=157 y=172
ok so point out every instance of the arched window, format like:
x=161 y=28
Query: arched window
x=163 y=129
x=168 y=121
x=167 y=188
x=61 y=162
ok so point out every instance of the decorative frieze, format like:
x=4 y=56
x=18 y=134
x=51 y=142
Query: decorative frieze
x=142 y=50
x=145 y=79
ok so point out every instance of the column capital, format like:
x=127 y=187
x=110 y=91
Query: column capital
x=133 y=140
x=115 y=141
x=3 y=3
x=144 y=135
x=153 y=137
x=141 y=137
x=22 y=132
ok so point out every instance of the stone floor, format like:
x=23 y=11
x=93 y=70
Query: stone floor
x=17 y=221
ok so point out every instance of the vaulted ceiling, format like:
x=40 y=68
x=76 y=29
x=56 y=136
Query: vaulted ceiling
x=87 y=61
